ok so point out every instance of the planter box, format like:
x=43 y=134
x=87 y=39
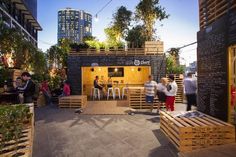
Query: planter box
x=189 y=134
x=24 y=146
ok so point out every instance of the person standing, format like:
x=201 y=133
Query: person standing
x=28 y=88
x=171 y=91
x=161 y=93
x=66 y=89
x=150 y=88
x=46 y=91
x=190 y=89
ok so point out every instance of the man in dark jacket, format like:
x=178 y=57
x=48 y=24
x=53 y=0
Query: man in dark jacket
x=28 y=88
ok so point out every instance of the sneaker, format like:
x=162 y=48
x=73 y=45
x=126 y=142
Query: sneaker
x=78 y=111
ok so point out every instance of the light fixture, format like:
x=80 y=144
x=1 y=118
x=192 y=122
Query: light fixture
x=116 y=69
x=96 y=18
x=99 y=69
x=132 y=69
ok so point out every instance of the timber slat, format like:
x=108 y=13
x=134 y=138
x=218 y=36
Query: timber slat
x=188 y=134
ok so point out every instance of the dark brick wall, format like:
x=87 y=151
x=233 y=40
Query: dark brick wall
x=157 y=63
x=212 y=58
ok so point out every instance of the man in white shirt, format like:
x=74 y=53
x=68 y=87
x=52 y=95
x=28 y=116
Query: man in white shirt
x=150 y=89
x=171 y=92
x=190 y=89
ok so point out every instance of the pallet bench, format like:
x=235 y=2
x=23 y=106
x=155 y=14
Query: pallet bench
x=73 y=101
x=136 y=99
x=189 y=134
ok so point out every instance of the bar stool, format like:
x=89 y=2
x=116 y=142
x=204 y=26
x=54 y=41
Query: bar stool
x=96 y=93
x=117 y=89
x=112 y=92
x=124 y=89
x=91 y=92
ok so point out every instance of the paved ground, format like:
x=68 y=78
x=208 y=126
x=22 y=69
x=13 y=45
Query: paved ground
x=63 y=133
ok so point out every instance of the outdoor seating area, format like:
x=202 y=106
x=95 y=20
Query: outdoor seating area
x=112 y=78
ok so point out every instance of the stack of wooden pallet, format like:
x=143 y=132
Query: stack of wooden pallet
x=73 y=101
x=136 y=98
x=154 y=47
x=24 y=145
x=179 y=96
x=189 y=134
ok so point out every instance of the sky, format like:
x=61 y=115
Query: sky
x=179 y=29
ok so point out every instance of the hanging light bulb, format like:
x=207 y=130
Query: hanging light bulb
x=96 y=18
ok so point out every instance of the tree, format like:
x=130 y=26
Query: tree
x=119 y=26
x=135 y=37
x=122 y=19
x=25 y=55
x=149 y=11
x=111 y=34
x=174 y=52
x=53 y=57
x=64 y=46
x=172 y=67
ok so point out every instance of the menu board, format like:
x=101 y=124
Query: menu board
x=212 y=72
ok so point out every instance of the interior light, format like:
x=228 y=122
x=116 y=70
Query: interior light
x=116 y=69
x=99 y=69
x=132 y=69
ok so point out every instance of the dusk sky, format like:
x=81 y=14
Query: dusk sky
x=178 y=30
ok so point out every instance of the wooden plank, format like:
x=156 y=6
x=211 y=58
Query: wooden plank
x=197 y=132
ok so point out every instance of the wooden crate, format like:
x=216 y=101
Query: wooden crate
x=189 y=134
x=24 y=146
x=73 y=101
x=136 y=99
x=154 y=47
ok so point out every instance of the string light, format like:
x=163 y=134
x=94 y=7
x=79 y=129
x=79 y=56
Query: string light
x=96 y=15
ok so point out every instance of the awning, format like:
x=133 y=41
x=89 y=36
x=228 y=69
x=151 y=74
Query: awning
x=20 y=5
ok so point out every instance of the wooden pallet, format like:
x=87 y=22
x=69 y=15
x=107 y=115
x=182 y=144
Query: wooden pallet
x=24 y=146
x=189 y=134
x=136 y=99
x=73 y=101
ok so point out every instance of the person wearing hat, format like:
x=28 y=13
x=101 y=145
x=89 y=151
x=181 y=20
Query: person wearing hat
x=171 y=92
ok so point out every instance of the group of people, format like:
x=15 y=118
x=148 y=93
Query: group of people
x=28 y=90
x=166 y=91
x=102 y=84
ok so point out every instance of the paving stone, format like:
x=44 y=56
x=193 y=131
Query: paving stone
x=61 y=132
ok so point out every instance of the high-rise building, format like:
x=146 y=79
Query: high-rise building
x=22 y=15
x=74 y=24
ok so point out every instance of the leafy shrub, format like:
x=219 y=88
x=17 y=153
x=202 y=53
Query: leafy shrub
x=12 y=121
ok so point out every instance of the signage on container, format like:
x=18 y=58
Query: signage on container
x=94 y=64
x=141 y=62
